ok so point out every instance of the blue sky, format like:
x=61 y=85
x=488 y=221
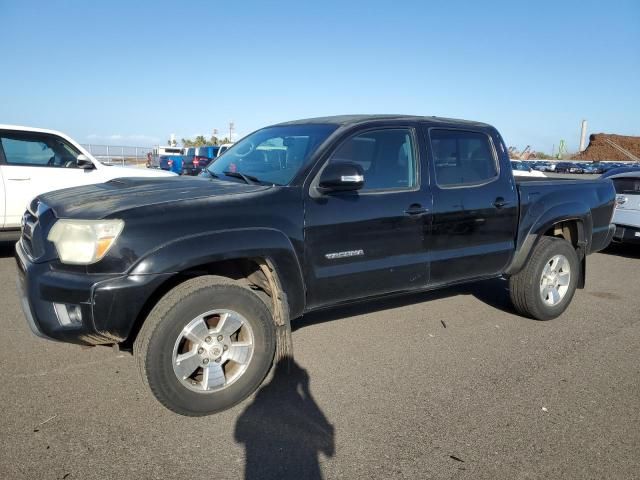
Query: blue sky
x=132 y=73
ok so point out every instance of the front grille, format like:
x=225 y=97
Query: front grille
x=32 y=240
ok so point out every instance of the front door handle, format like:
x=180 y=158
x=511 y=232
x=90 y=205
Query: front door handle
x=19 y=179
x=416 y=209
x=500 y=202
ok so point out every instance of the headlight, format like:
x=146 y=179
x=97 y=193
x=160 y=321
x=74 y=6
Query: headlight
x=82 y=242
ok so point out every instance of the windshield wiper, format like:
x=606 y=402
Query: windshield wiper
x=250 y=179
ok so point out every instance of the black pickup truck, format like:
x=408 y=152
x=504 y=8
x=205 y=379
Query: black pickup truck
x=200 y=277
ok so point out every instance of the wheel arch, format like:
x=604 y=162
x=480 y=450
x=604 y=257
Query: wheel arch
x=263 y=259
x=571 y=221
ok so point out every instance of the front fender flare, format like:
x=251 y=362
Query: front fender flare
x=191 y=251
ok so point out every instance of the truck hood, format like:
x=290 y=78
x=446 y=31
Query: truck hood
x=103 y=199
x=114 y=171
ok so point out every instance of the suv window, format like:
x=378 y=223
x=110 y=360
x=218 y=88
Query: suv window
x=38 y=151
x=462 y=157
x=386 y=156
x=628 y=185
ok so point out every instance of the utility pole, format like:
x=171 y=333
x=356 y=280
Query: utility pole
x=583 y=135
x=232 y=127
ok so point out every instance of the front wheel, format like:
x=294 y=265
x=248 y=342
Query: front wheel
x=543 y=289
x=206 y=346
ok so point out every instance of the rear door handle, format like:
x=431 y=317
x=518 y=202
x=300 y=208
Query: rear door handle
x=19 y=179
x=416 y=209
x=500 y=202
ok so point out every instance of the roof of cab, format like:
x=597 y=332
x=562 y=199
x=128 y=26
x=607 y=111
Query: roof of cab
x=349 y=120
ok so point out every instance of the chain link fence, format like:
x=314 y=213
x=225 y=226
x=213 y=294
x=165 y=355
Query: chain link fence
x=120 y=155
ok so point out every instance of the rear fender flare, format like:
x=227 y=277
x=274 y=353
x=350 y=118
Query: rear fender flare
x=537 y=227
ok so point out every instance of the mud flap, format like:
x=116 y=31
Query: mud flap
x=284 y=338
x=583 y=273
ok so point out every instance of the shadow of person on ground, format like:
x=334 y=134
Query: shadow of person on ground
x=284 y=430
x=494 y=292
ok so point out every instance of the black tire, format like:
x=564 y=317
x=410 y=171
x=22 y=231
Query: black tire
x=525 y=285
x=153 y=348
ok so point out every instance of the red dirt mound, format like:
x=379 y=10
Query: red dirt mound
x=599 y=149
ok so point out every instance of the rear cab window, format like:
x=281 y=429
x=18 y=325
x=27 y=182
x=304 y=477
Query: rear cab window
x=462 y=158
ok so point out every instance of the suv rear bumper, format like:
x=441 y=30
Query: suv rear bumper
x=626 y=234
x=104 y=320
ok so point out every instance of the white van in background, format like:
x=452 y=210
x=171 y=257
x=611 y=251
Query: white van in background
x=167 y=150
x=224 y=147
x=35 y=161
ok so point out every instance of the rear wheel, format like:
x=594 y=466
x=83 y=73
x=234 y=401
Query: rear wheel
x=206 y=346
x=543 y=289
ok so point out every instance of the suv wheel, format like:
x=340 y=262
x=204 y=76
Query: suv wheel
x=206 y=346
x=544 y=288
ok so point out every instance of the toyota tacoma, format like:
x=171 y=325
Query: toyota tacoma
x=200 y=277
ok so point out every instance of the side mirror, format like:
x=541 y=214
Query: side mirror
x=83 y=162
x=341 y=177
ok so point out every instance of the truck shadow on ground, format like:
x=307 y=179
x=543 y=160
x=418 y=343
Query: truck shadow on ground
x=493 y=292
x=284 y=430
x=7 y=249
x=624 y=250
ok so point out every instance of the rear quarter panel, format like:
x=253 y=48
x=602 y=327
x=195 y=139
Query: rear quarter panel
x=547 y=202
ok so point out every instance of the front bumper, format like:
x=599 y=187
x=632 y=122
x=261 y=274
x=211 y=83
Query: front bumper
x=110 y=304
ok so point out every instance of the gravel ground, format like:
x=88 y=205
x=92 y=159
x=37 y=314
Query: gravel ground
x=450 y=384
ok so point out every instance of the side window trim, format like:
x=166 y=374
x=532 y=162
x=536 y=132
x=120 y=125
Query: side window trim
x=470 y=184
x=416 y=159
x=2 y=157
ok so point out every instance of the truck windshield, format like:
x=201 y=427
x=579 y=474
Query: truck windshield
x=274 y=154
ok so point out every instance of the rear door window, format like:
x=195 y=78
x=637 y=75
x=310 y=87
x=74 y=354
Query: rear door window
x=462 y=158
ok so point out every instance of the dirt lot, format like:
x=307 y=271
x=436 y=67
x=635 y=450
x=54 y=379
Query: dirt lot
x=599 y=149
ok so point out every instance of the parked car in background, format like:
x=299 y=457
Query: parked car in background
x=36 y=160
x=224 y=147
x=615 y=170
x=202 y=276
x=598 y=168
x=171 y=163
x=192 y=163
x=522 y=169
x=197 y=158
x=626 y=216
x=591 y=168
x=540 y=166
x=206 y=154
x=568 y=167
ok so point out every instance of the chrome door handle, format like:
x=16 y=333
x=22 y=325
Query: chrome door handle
x=500 y=202
x=20 y=179
x=416 y=209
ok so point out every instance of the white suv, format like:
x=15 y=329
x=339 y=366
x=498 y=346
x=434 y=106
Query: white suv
x=35 y=161
x=627 y=213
